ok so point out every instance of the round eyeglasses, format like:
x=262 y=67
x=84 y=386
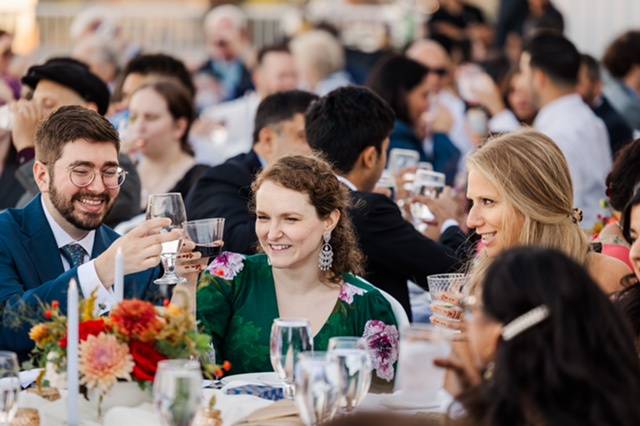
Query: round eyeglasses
x=83 y=176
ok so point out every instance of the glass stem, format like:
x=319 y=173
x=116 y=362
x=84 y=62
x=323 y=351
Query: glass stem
x=289 y=391
x=169 y=264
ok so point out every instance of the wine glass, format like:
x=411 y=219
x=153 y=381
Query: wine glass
x=177 y=391
x=289 y=337
x=207 y=234
x=9 y=387
x=354 y=361
x=168 y=205
x=419 y=381
x=318 y=383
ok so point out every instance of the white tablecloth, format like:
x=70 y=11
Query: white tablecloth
x=234 y=408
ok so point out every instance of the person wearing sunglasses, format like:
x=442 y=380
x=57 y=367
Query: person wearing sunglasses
x=445 y=101
x=546 y=347
x=60 y=235
x=403 y=84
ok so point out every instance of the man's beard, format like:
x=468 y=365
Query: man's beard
x=86 y=221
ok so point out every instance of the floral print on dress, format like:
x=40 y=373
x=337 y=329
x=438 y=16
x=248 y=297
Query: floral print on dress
x=348 y=291
x=382 y=341
x=227 y=265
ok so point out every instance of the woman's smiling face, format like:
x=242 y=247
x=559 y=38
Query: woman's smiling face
x=288 y=227
x=492 y=217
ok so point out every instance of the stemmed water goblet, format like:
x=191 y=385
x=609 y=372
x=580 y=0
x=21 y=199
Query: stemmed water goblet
x=289 y=337
x=9 y=387
x=354 y=361
x=169 y=205
x=177 y=391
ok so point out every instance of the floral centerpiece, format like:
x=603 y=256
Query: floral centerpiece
x=126 y=345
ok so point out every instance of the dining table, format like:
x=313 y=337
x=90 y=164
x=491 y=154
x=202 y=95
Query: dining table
x=233 y=409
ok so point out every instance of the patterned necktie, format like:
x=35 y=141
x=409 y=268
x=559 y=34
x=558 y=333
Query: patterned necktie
x=74 y=253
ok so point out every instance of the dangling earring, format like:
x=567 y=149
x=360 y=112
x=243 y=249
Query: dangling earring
x=326 y=254
x=488 y=372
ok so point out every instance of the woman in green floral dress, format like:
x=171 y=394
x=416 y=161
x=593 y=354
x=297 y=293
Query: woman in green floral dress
x=307 y=270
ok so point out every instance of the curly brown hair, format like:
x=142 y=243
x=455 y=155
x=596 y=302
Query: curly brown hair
x=315 y=177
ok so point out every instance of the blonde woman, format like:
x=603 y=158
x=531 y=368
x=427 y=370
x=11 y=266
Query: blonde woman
x=521 y=194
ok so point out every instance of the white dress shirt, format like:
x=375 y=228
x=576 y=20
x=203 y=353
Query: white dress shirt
x=238 y=117
x=584 y=141
x=87 y=276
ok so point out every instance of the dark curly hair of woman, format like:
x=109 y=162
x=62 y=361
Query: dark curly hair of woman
x=315 y=177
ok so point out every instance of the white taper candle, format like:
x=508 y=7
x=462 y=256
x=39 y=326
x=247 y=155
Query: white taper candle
x=72 y=354
x=118 y=283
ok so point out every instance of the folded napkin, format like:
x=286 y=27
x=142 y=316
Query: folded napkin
x=281 y=413
x=261 y=391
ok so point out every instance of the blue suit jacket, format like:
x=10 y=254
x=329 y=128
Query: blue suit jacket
x=31 y=272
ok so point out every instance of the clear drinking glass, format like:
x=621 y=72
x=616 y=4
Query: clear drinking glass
x=318 y=383
x=177 y=391
x=428 y=184
x=207 y=234
x=6 y=118
x=289 y=337
x=9 y=387
x=353 y=359
x=168 y=205
x=419 y=381
x=445 y=291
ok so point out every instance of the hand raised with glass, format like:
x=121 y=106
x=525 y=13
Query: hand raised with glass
x=190 y=263
x=141 y=249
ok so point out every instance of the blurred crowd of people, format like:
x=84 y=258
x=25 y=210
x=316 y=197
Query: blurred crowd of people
x=534 y=140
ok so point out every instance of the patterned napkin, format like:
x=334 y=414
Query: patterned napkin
x=261 y=391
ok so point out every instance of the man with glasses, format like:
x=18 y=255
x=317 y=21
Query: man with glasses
x=60 y=235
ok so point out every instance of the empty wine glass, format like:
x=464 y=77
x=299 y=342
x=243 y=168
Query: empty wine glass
x=354 y=361
x=289 y=337
x=9 y=387
x=177 y=391
x=168 y=205
x=207 y=234
x=318 y=383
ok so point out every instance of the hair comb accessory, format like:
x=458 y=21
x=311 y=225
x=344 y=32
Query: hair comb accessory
x=525 y=322
x=576 y=215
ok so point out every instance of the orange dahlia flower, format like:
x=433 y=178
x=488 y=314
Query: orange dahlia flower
x=136 y=319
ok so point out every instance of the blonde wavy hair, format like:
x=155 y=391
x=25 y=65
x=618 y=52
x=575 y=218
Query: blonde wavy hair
x=532 y=174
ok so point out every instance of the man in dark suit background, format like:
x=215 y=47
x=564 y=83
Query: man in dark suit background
x=225 y=190
x=590 y=89
x=60 y=235
x=351 y=127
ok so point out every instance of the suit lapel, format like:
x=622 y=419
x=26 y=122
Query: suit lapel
x=40 y=242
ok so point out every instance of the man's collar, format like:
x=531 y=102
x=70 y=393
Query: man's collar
x=347 y=183
x=61 y=236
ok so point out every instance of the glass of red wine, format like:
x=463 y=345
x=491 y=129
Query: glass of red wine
x=207 y=234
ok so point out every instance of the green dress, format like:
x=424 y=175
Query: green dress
x=236 y=305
